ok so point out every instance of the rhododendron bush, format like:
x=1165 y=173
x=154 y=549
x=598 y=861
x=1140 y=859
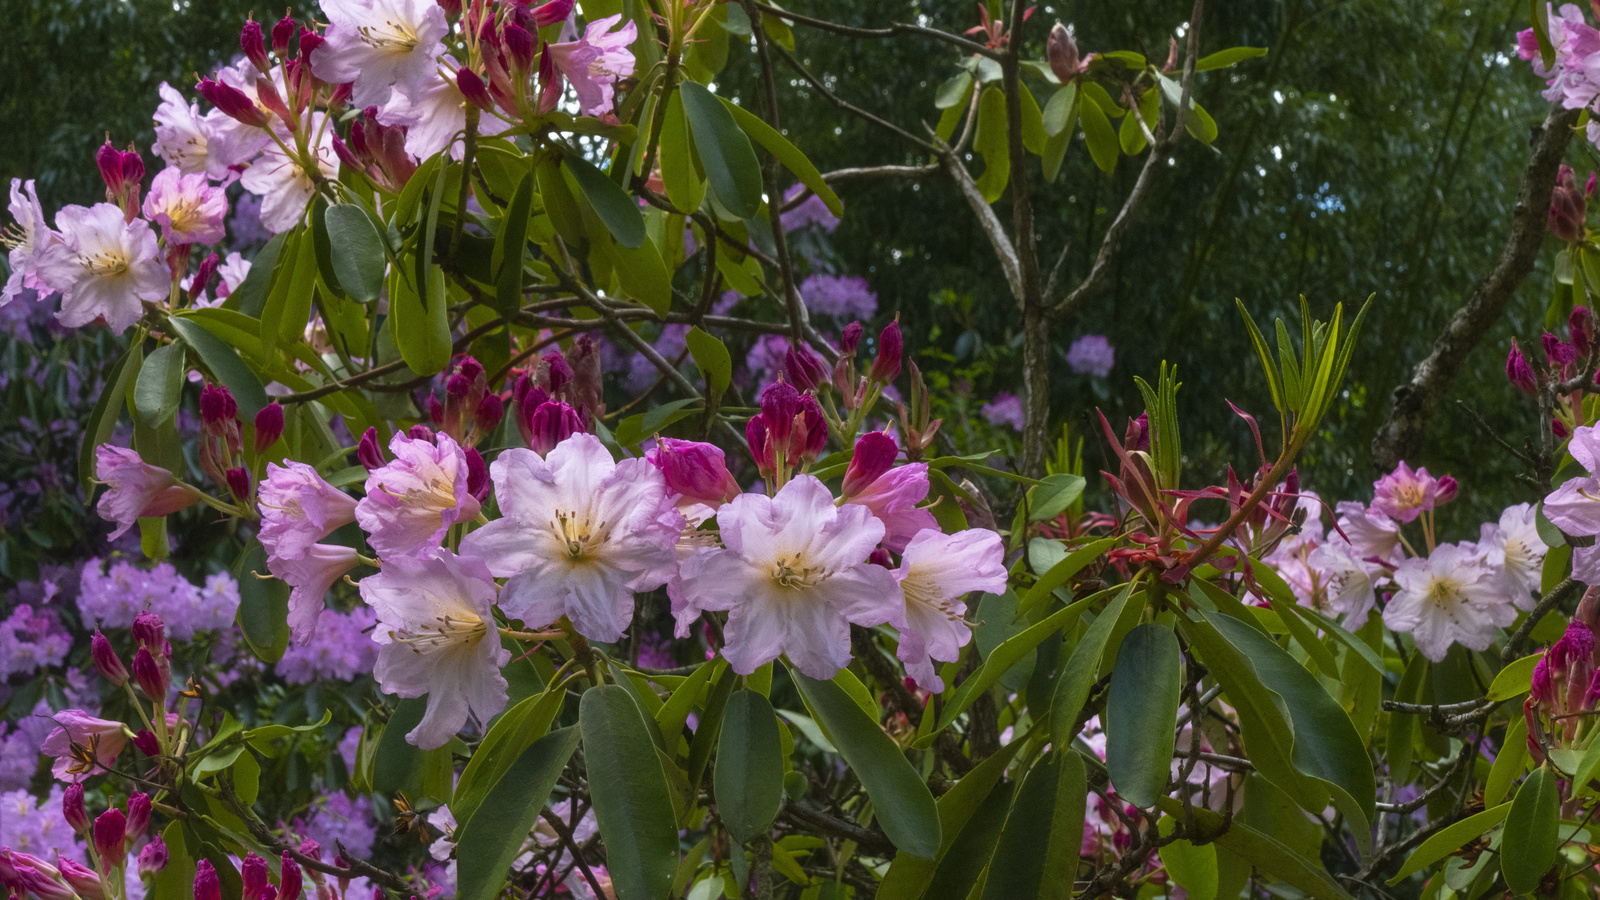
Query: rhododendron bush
x=531 y=511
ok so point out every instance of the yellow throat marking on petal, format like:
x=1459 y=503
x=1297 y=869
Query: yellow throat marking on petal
x=463 y=627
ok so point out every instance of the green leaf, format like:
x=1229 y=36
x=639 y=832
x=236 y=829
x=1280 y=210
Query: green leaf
x=632 y=802
x=787 y=153
x=724 y=150
x=748 y=777
x=1515 y=679
x=225 y=365
x=990 y=141
x=1528 y=844
x=511 y=733
x=674 y=713
x=900 y=800
x=1100 y=137
x=1539 y=13
x=961 y=868
x=1269 y=855
x=358 y=252
x=686 y=186
x=490 y=841
x=263 y=606
x=1142 y=713
x=251 y=294
x=1130 y=136
x=1037 y=854
x=420 y=328
x=1059 y=108
x=1229 y=57
x=953 y=91
x=1450 y=839
x=1062 y=572
x=712 y=358
x=102 y=420
x=644 y=275
x=160 y=386
x=1034 y=136
x=1051 y=499
x=1512 y=761
x=560 y=205
x=1192 y=866
x=506 y=259
x=397 y=761
x=1083 y=667
x=611 y=203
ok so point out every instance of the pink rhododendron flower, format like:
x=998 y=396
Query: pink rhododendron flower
x=698 y=473
x=437 y=637
x=1448 y=598
x=1407 y=493
x=310 y=576
x=103 y=266
x=792 y=576
x=103 y=739
x=187 y=140
x=137 y=489
x=936 y=572
x=893 y=498
x=299 y=508
x=415 y=497
x=284 y=184
x=1345 y=579
x=594 y=62
x=26 y=241
x=1372 y=534
x=378 y=45
x=434 y=115
x=1574 y=507
x=580 y=533
x=1513 y=549
x=188 y=209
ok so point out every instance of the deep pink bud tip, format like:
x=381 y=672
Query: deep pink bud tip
x=269 y=426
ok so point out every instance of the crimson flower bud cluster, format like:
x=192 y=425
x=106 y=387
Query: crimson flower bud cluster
x=789 y=433
x=122 y=171
x=378 y=151
x=1565 y=687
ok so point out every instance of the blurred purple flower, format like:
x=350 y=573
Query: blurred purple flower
x=339 y=649
x=1091 y=355
x=1005 y=409
x=810 y=211
x=841 y=296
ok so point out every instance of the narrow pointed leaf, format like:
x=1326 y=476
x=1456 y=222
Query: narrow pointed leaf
x=491 y=840
x=1142 y=713
x=749 y=773
x=632 y=801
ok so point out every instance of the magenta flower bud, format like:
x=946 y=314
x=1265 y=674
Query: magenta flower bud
x=477 y=474
x=1591 y=695
x=203 y=275
x=491 y=409
x=1575 y=644
x=254 y=45
x=269 y=426
x=206 y=885
x=518 y=44
x=239 y=482
x=470 y=368
x=457 y=386
x=811 y=432
x=851 y=339
x=696 y=471
x=803 y=368
x=72 y=808
x=435 y=410
x=473 y=88
x=780 y=403
x=345 y=154
x=138 y=814
x=552 y=423
x=1588 y=188
x=106 y=660
x=153 y=858
x=234 y=103
x=147 y=743
x=109 y=159
x=1580 y=327
x=309 y=42
x=560 y=371
x=369 y=452
x=1062 y=52
x=311 y=848
x=283 y=37
x=217 y=406
x=110 y=838
x=1137 y=435
x=1568 y=207
x=757 y=434
x=1519 y=372
x=29 y=874
x=256 y=876
x=289 y=879
x=880 y=557
x=420 y=433
x=150 y=675
x=148 y=630
x=891 y=346
x=83 y=879
x=1445 y=491
x=874 y=455
x=551 y=13
x=452 y=8
x=340 y=97
x=1558 y=353
x=267 y=93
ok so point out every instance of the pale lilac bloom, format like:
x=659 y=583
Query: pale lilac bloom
x=186 y=207
x=378 y=45
x=1574 y=81
x=31 y=640
x=231 y=273
x=1004 y=409
x=936 y=572
x=810 y=211
x=1448 y=598
x=1512 y=548
x=840 y=296
x=188 y=140
x=27 y=240
x=893 y=497
x=1574 y=507
x=35 y=825
x=136 y=489
x=112 y=596
x=413 y=499
x=1372 y=535
x=792 y=576
x=339 y=649
x=1091 y=355
x=298 y=508
x=310 y=576
x=434 y=115
x=337 y=819
x=579 y=534
x=103 y=266
x=594 y=62
x=104 y=737
x=284 y=184
x=437 y=637
x=1345 y=579
x=1406 y=493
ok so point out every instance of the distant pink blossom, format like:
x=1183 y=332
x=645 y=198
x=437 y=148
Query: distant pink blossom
x=1004 y=409
x=1407 y=493
x=1091 y=355
x=595 y=61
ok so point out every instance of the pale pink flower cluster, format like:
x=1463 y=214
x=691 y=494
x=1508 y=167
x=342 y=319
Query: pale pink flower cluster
x=1573 y=79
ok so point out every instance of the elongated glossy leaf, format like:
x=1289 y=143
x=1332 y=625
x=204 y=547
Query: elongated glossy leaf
x=901 y=801
x=1528 y=845
x=491 y=840
x=103 y=418
x=1062 y=572
x=225 y=365
x=675 y=712
x=953 y=91
x=251 y=294
x=512 y=733
x=749 y=771
x=1515 y=679
x=1037 y=854
x=397 y=760
x=724 y=150
x=1231 y=56
x=686 y=186
x=644 y=275
x=959 y=869
x=358 y=257
x=1083 y=667
x=1192 y=866
x=1512 y=761
x=991 y=143
x=160 y=386
x=713 y=360
x=632 y=801
x=787 y=153
x=421 y=328
x=611 y=203
x=263 y=606
x=1055 y=117
x=1142 y=713
x=1098 y=133
x=1450 y=839
x=560 y=205
x=506 y=259
x=1270 y=856
x=1051 y=499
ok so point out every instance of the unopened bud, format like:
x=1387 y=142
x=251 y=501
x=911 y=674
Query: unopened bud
x=206 y=885
x=289 y=879
x=110 y=838
x=106 y=660
x=138 y=814
x=803 y=368
x=239 y=482
x=473 y=88
x=1580 y=327
x=203 y=275
x=560 y=371
x=149 y=631
x=477 y=475
x=233 y=103
x=1568 y=207
x=256 y=877
x=146 y=742
x=283 y=37
x=552 y=423
x=880 y=557
x=217 y=406
x=254 y=45
x=491 y=409
x=1519 y=372
x=369 y=452
x=850 y=339
x=269 y=426
x=811 y=432
x=891 y=345
x=552 y=13
x=151 y=677
x=874 y=455
x=73 y=810
x=153 y=858
x=1062 y=51
x=758 y=435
